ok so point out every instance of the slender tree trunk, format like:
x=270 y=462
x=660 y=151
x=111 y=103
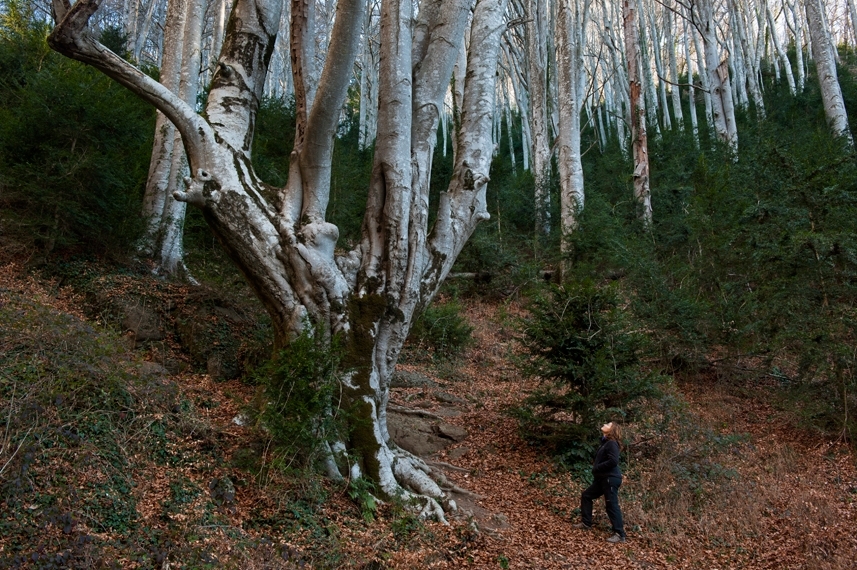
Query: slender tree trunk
x=642 y=193
x=852 y=16
x=570 y=22
x=651 y=91
x=537 y=86
x=781 y=53
x=703 y=79
x=659 y=68
x=161 y=165
x=798 y=35
x=825 y=65
x=722 y=108
x=674 y=88
x=691 y=90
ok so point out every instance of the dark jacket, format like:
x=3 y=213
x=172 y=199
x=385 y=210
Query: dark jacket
x=607 y=460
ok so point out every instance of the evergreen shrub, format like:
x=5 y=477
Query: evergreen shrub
x=579 y=342
x=443 y=330
x=74 y=147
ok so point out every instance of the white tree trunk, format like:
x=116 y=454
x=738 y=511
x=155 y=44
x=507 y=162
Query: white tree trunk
x=675 y=89
x=825 y=65
x=659 y=69
x=651 y=91
x=797 y=30
x=781 y=53
x=703 y=78
x=538 y=106
x=368 y=119
x=722 y=108
x=285 y=248
x=642 y=192
x=570 y=22
x=852 y=16
x=161 y=165
x=691 y=90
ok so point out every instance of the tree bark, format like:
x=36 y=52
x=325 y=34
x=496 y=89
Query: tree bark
x=781 y=53
x=675 y=89
x=570 y=22
x=722 y=107
x=640 y=150
x=825 y=66
x=537 y=87
x=285 y=247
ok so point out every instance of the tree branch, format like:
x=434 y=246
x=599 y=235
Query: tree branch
x=71 y=38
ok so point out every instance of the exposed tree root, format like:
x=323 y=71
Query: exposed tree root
x=411 y=412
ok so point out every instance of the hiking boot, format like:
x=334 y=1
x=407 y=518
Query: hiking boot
x=616 y=538
x=582 y=526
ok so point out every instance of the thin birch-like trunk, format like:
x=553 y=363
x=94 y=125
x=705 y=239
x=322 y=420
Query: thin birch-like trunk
x=651 y=91
x=722 y=107
x=639 y=142
x=570 y=23
x=691 y=90
x=659 y=69
x=797 y=30
x=537 y=88
x=675 y=89
x=160 y=166
x=781 y=53
x=703 y=79
x=825 y=65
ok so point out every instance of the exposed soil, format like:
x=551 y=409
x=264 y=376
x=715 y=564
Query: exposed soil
x=785 y=499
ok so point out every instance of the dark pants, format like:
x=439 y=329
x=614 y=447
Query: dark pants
x=609 y=487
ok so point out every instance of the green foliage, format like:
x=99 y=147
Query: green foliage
x=443 y=330
x=74 y=147
x=351 y=167
x=273 y=140
x=578 y=342
x=751 y=263
x=301 y=388
x=72 y=403
x=362 y=492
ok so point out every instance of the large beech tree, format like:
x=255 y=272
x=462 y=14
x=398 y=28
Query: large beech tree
x=279 y=237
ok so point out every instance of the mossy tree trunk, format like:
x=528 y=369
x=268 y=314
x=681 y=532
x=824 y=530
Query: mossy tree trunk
x=279 y=237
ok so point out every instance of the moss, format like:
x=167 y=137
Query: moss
x=364 y=313
x=363 y=441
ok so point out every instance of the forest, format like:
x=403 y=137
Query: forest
x=354 y=283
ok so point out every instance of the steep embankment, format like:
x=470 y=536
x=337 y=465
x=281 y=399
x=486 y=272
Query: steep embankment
x=111 y=460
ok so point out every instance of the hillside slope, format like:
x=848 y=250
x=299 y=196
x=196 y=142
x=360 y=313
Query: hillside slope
x=112 y=461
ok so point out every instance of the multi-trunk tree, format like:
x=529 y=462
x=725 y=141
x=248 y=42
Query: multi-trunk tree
x=279 y=237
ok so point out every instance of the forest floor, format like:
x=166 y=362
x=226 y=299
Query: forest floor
x=732 y=483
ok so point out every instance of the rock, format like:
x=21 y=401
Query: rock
x=153 y=369
x=406 y=379
x=448 y=398
x=415 y=435
x=457 y=453
x=143 y=323
x=447 y=412
x=449 y=431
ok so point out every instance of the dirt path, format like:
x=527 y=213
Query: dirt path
x=745 y=489
x=784 y=500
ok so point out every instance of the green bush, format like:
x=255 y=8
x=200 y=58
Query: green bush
x=74 y=147
x=301 y=389
x=579 y=344
x=443 y=330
